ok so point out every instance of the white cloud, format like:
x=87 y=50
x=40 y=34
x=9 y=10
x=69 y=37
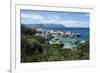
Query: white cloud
x=75 y=23
x=86 y=15
x=36 y=18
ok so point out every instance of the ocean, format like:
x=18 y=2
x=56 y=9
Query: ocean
x=84 y=35
x=84 y=32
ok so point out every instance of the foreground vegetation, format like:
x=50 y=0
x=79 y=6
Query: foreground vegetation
x=34 y=49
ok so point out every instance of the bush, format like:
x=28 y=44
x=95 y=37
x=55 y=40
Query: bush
x=34 y=49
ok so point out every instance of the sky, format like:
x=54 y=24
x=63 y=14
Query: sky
x=68 y=19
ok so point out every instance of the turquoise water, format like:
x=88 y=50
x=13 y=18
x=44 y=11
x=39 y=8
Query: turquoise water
x=68 y=41
x=67 y=45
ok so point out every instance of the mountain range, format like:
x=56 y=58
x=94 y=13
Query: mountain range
x=45 y=26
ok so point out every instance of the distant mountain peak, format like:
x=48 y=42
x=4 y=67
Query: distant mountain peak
x=45 y=26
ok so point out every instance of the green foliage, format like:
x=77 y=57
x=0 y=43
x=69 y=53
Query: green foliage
x=34 y=49
x=27 y=31
x=83 y=50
